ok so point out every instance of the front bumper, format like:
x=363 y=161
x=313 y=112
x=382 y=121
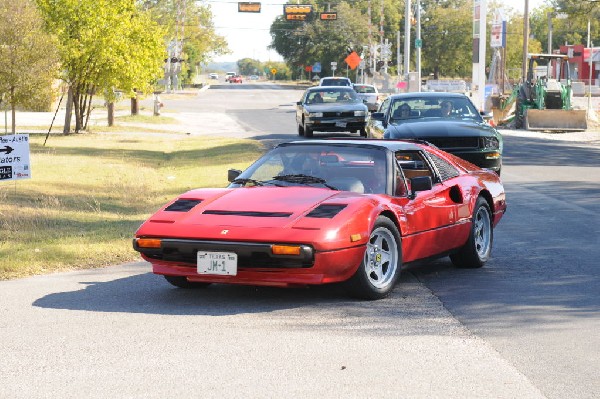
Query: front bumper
x=336 y=125
x=256 y=265
x=481 y=158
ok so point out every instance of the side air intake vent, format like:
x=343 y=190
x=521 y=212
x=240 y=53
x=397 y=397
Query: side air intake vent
x=325 y=211
x=182 y=205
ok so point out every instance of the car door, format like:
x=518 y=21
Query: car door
x=429 y=217
x=300 y=109
x=376 y=127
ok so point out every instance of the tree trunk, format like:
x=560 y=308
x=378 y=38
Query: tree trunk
x=68 y=111
x=135 y=107
x=111 y=113
x=88 y=110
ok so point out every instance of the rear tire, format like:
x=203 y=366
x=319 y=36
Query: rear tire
x=476 y=251
x=380 y=269
x=182 y=282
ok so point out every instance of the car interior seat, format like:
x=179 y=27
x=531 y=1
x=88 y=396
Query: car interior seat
x=348 y=184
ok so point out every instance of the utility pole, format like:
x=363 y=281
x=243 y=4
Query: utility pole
x=407 y=18
x=525 y=39
x=418 y=40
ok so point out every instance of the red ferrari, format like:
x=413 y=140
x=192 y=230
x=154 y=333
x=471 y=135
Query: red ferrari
x=326 y=211
x=235 y=79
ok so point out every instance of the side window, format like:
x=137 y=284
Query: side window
x=385 y=106
x=415 y=164
x=445 y=169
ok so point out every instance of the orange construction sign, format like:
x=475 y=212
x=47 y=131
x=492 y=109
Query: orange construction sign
x=353 y=60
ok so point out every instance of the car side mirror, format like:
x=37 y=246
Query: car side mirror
x=233 y=174
x=486 y=116
x=420 y=183
x=378 y=116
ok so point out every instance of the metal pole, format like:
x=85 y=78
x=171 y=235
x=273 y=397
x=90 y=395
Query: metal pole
x=407 y=14
x=550 y=15
x=525 y=39
x=418 y=38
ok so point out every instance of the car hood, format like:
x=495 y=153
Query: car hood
x=334 y=107
x=251 y=208
x=438 y=127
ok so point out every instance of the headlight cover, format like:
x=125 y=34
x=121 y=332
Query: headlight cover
x=490 y=143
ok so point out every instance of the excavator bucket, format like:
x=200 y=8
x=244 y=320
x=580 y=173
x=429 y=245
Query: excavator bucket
x=556 y=119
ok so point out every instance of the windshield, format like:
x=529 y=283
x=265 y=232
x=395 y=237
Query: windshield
x=432 y=107
x=349 y=168
x=331 y=95
x=335 y=82
x=364 y=89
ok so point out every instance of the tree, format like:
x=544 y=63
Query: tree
x=103 y=45
x=447 y=39
x=28 y=61
x=304 y=43
x=200 y=41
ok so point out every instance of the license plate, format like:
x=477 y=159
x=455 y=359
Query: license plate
x=219 y=263
x=340 y=124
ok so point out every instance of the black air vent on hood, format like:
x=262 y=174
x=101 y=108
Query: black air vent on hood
x=326 y=211
x=249 y=213
x=182 y=205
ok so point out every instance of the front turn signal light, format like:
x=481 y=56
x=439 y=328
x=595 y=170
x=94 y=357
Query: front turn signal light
x=492 y=155
x=148 y=242
x=285 y=249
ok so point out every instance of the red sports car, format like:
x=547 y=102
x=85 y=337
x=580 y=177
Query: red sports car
x=235 y=79
x=325 y=211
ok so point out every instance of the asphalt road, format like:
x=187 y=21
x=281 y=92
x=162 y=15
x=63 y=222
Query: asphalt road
x=524 y=326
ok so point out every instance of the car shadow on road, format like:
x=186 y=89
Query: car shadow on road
x=410 y=309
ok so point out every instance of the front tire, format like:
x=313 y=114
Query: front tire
x=308 y=132
x=300 y=131
x=476 y=251
x=182 y=282
x=380 y=269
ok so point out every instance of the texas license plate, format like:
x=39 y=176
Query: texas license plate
x=219 y=263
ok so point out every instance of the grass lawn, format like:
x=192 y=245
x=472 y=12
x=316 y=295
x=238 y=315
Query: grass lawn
x=89 y=193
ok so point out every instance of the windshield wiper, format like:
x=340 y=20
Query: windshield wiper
x=303 y=179
x=244 y=181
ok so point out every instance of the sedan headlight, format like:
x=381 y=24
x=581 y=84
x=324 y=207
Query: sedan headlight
x=315 y=114
x=360 y=113
x=490 y=143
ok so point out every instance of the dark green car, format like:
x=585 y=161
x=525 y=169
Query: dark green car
x=449 y=121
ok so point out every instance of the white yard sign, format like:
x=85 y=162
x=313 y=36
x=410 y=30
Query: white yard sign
x=14 y=157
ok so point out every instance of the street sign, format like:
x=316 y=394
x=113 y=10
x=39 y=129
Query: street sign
x=14 y=157
x=295 y=17
x=328 y=16
x=316 y=67
x=248 y=7
x=297 y=8
x=273 y=71
x=418 y=43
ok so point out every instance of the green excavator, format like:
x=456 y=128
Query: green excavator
x=543 y=101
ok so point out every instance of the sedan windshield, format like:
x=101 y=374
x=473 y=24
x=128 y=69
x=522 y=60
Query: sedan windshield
x=432 y=107
x=331 y=95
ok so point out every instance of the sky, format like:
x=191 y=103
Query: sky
x=248 y=33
